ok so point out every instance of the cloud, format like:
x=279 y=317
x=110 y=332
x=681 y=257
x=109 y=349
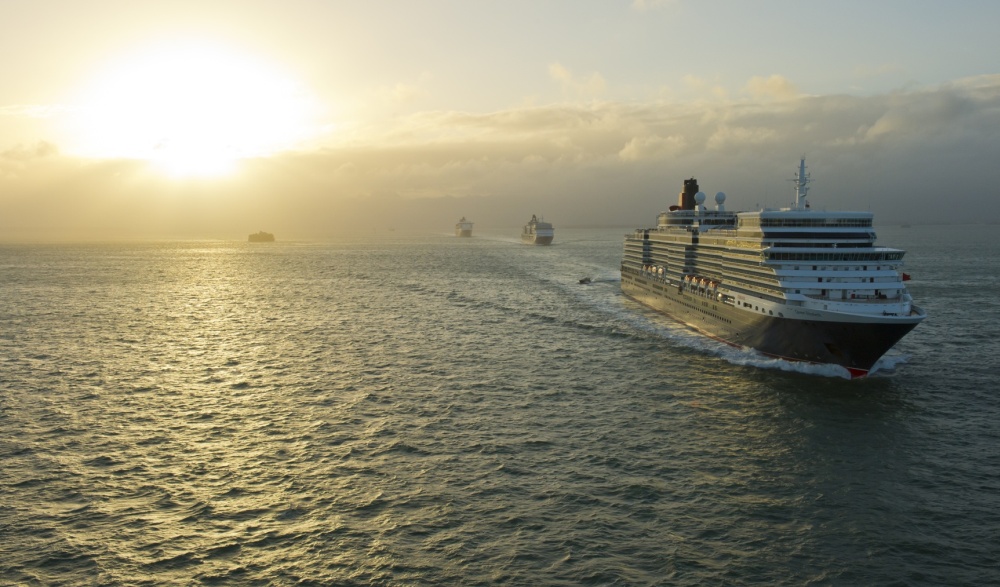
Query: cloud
x=699 y=87
x=589 y=85
x=22 y=153
x=651 y=147
x=559 y=73
x=403 y=93
x=953 y=112
x=774 y=87
x=737 y=136
x=18 y=157
x=599 y=162
x=584 y=153
x=34 y=110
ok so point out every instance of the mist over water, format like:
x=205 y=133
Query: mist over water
x=418 y=409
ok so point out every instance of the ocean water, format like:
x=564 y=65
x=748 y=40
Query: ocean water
x=418 y=409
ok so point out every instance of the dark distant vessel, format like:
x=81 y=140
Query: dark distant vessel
x=463 y=227
x=537 y=232
x=794 y=283
x=261 y=237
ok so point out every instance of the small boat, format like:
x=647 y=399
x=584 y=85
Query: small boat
x=261 y=237
x=585 y=281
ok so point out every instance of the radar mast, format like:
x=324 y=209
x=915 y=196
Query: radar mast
x=802 y=181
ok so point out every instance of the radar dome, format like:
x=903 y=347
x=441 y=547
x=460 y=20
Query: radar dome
x=720 y=198
x=699 y=198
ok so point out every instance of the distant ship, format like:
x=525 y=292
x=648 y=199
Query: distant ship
x=463 y=227
x=537 y=232
x=261 y=237
x=795 y=283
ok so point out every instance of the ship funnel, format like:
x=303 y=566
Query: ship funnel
x=686 y=198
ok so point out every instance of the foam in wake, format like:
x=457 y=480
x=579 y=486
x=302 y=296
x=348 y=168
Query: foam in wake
x=748 y=357
x=752 y=358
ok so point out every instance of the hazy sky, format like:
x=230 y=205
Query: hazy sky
x=216 y=118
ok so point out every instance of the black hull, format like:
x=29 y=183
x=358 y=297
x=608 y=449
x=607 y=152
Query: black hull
x=856 y=346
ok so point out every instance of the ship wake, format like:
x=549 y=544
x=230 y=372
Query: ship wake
x=885 y=366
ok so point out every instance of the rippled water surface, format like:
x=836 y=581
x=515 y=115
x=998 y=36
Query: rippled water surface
x=418 y=409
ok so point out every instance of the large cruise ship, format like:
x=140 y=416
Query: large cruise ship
x=794 y=283
x=463 y=227
x=537 y=232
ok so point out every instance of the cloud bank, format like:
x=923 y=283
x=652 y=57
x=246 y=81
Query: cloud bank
x=916 y=156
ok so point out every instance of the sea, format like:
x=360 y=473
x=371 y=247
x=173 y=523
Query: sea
x=405 y=408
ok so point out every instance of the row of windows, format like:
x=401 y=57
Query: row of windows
x=756 y=221
x=732 y=251
x=826 y=245
x=833 y=236
x=881 y=256
x=765 y=286
x=747 y=268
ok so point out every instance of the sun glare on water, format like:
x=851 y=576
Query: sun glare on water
x=192 y=110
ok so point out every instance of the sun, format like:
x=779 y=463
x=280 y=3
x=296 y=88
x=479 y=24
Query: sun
x=192 y=109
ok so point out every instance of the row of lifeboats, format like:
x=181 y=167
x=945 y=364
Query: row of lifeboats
x=689 y=280
x=696 y=281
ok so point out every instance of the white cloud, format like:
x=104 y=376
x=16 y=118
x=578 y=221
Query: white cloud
x=589 y=85
x=701 y=88
x=34 y=110
x=774 y=87
x=899 y=151
x=737 y=136
x=651 y=147
x=403 y=93
x=36 y=151
x=20 y=156
x=559 y=73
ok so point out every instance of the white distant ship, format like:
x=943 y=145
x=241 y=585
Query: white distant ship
x=795 y=283
x=537 y=232
x=463 y=227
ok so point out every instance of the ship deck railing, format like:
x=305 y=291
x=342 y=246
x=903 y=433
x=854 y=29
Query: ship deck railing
x=857 y=299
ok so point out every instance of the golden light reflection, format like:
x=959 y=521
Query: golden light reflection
x=192 y=109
